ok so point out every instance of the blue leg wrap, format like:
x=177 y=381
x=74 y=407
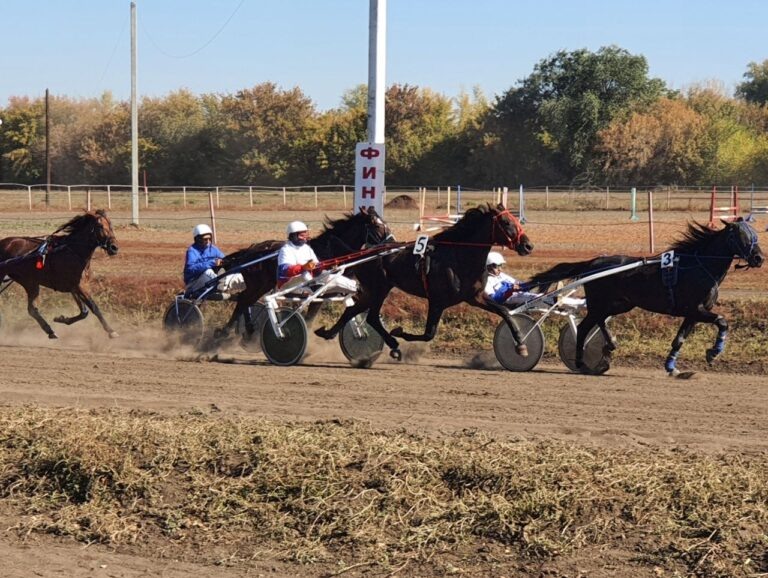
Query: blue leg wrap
x=720 y=342
x=669 y=365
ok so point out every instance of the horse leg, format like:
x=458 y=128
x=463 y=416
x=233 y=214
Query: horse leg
x=374 y=320
x=682 y=334
x=582 y=331
x=32 y=293
x=88 y=300
x=502 y=311
x=70 y=320
x=722 y=334
x=312 y=311
x=434 y=314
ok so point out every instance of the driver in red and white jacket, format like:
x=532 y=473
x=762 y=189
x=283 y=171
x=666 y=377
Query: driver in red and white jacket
x=297 y=263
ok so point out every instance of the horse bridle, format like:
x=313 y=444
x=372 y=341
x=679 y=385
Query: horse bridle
x=372 y=236
x=512 y=242
x=734 y=242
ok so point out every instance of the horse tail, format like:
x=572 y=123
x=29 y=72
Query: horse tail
x=558 y=273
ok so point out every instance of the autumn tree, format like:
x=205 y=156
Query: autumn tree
x=547 y=127
x=266 y=130
x=755 y=86
x=661 y=146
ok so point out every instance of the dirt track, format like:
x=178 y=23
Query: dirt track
x=626 y=407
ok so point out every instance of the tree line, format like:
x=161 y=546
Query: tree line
x=580 y=118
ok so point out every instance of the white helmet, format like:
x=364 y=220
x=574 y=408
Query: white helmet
x=296 y=227
x=201 y=229
x=494 y=258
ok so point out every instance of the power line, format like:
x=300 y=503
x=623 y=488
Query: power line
x=209 y=41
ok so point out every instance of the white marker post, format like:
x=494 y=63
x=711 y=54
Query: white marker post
x=370 y=156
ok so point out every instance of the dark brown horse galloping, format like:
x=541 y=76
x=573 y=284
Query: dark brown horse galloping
x=58 y=262
x=452 y=271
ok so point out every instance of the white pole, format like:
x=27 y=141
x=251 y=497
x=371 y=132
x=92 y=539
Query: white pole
x=134 y=123
x=250 y=194
x=377 y=62
x=109 y=197
x=184 y=196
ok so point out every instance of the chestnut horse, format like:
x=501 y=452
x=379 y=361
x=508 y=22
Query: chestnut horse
x=58 y=262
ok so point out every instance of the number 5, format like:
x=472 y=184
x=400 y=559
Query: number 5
x=420 y=246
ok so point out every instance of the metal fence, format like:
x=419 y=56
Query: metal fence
x=433 y=200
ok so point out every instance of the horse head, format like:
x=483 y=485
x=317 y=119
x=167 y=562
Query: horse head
x=508 y=231
x=364 y=228
x=742 y=241
x=377 y=229
x=103 y=233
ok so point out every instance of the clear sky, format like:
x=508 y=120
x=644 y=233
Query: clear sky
x=81 y=48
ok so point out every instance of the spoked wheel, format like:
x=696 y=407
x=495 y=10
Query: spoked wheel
x=595 y=359
x=360 y=342
x=504 y=344
x=184 y=319
x=289 y=349
x=259 y=317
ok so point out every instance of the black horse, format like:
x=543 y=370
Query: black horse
x=451 y=271
x=339 y=237
x=59 y=261
x=684 y=287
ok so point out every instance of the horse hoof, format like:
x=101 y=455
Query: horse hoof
x=711 y=354
x=323 y=333
x=396 y=332
x=396 y=354
x=674 y=372
x=113 y=334
x=220 y=333
x=52 y=336
x=59 y=319
x=522 y=350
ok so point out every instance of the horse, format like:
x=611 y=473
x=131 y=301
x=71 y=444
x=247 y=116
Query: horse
x=58 y=262
x=451 y=271
x=339 y=237
x=686 y=286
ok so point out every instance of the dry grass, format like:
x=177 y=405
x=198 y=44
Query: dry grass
x=197 y=486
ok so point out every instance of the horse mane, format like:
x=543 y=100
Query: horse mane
x=465 y=226
x=250 y=253
x=78 y=222
x=329 y=225
x=694 y=237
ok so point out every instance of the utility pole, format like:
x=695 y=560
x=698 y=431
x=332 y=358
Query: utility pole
x=47 y=152
x=134 y=124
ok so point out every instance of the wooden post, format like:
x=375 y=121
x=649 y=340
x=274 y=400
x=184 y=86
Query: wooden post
x=315 y=196
x=284 y=196
x=650 y=221
x=250 y=194
x=69 y=196
x=344 y=192
x=88 y=199
x=217 y=197
x=109 y=196
x=213 y=215
x=29 y=194
x=546 y=197
x=146 y=191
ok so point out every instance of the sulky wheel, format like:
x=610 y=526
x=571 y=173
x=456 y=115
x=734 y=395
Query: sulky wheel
x=259 y=317
x=289 y=349
x=360 y=342
x=504 y=344
x=595 y=359
x=184 y=319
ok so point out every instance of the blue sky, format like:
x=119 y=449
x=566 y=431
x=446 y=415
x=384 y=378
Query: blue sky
x=82 y=48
